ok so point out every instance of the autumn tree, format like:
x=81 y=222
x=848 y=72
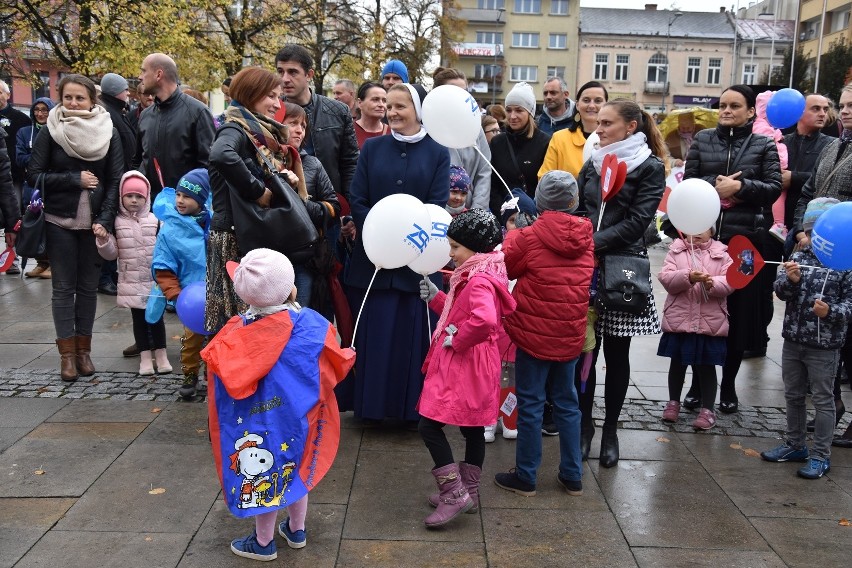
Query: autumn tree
x=781 y=76
x=834 y=67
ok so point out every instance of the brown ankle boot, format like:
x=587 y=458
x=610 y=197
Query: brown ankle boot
x=68 y=365
x=84 y=363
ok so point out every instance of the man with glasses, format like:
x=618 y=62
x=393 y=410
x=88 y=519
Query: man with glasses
x=558 y=107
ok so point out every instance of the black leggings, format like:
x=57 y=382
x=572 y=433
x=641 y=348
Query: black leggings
x=436 y=442
x=148 y=336
x=704 y=375
x=617 y=354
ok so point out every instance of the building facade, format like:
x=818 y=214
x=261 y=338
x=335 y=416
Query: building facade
x=662 y=59
x=761 y=44
x=508 y=41
x=822 y=23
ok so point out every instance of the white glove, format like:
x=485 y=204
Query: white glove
x=428 y=291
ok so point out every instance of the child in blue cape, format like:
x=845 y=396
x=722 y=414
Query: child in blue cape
x=180 y=257
x=274 y=423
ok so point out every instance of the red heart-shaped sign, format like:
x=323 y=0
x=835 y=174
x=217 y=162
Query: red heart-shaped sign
x=620 y=176
x=747 y=262
x=608 y=174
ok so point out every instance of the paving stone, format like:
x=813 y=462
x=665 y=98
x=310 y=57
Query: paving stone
x=807 y=542
x=105 y=411
x=392 y=554
x=23 y=523
x=29 y=413
x=667 y=557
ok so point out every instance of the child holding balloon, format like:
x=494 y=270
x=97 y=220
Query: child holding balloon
x=819 y=308
x=695 y=320
x=180 y=259
x=462 y=385
x=133 y=244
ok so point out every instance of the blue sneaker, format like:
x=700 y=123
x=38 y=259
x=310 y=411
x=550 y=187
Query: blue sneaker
x=816 y=468
x=295 y=539
x=248 y=547
x=785 y=453
x=511 y=482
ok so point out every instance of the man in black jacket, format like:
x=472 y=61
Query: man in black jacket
x=12 y=120
x=176 y=132
x=10 y=213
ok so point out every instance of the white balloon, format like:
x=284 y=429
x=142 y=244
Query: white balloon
x=693 y=206
x=437 y=252
x=591 y=145
x=452 y=117
x=396 y=230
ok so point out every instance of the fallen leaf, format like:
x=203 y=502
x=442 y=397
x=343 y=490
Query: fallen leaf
x=201 y=430
x=736 y=446
x=156 y=410
x=751 y=453
x=39 y=472
x=157 y=491
x=844 y=523
x=663 y=440
x=42 y=389
x=148 y=539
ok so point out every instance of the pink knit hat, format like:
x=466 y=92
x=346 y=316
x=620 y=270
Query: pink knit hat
x=263 y=277
x=134 y=182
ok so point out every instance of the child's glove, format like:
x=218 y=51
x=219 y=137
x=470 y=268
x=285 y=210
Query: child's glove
x=450 y=329
x=428 y=291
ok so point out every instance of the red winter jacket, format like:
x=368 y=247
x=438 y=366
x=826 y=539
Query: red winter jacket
x=553 y=263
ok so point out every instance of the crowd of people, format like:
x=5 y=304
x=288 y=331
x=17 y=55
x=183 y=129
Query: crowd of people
x=177 y=196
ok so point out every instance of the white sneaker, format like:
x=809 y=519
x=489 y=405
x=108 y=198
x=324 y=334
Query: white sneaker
x=779 y=232
x=489 y=433
x=508 y=433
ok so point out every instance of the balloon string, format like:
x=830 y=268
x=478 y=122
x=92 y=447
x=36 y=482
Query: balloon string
x=506 y=185
x=364 y=301
x=821 y=296
x=696 y=265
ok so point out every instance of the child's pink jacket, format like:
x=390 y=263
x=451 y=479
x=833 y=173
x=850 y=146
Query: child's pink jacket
x=686 y=310
x=762 y=126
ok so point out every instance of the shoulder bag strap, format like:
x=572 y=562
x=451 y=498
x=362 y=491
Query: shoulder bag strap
x=732 y=167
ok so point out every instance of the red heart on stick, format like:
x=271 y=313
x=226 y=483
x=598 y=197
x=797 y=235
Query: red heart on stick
x=613 y=174
x=747 y=262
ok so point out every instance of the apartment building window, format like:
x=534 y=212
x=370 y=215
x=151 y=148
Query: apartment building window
x=528 y=6
x=485 y=71
x=751 y=50
x=693 y=70
x=622 y=65
x=601 y=66
x=44 y=89
x=491 y=4
x=524 y=39
x=749 y=73
x=657 y=68
x=839 y=21
x=527 y=73
x=556 y=71
x=558 y=41
x=714 y=71
x=558 y=7
x=489 y=37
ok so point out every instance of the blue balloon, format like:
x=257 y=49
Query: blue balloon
x=785 y=108
x=190 y=306
x=831 y=236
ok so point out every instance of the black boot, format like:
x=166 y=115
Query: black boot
x=587 y=432
x=609 y=446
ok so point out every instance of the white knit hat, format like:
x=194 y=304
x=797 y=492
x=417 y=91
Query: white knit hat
x=522 y=95
x=263 y=278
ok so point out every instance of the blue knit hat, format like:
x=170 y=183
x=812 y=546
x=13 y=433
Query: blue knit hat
x=525 y=204
x=459 y=180
x=816 y=207
x=195 y=184
x=396 y=66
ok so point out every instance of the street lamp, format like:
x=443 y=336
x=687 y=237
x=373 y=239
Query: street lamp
x=675 y=16
x=494 y=67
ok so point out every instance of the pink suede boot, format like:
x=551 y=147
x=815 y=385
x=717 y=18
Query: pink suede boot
x=470 y=475
x=453 y=498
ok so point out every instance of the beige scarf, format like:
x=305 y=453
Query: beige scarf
x=83 y=134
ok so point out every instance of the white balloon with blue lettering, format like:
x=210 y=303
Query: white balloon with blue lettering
x=437 y=252
x=396 y=231
x=452 y=117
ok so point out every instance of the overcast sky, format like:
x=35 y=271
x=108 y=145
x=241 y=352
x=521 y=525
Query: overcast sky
x=685 y=5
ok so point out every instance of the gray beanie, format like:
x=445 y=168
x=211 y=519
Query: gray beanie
x=557 y=191
x=522 y=95
x=113 y=84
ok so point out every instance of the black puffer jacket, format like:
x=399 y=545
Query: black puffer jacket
x=119 y=112
x=62 y=179
x=629 y=212
x=177 y=132
x=9 y=209
x=714 y=152
x=334 y=142
x=529 y=155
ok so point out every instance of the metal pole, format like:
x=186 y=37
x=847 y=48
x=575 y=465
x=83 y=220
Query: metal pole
x=494 y=66
x=772 y=49
x=795 y=43
x=674 y=17
x=819 y=46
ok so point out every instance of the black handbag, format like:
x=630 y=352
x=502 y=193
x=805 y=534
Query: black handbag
x=32 y=239
x=624 y=284
x=285 y=226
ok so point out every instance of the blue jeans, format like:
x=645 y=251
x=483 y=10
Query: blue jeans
x=303 y=280
x=800 y=365
x=534 y=377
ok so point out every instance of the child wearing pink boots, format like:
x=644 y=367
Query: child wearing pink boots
x=462 y=384
x=133 y=245
x=695 y=322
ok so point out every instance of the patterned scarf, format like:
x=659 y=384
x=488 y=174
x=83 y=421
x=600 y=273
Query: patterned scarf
x=491 y=263
x=270 y=139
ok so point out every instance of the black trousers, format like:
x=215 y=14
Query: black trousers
x=436 y=442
